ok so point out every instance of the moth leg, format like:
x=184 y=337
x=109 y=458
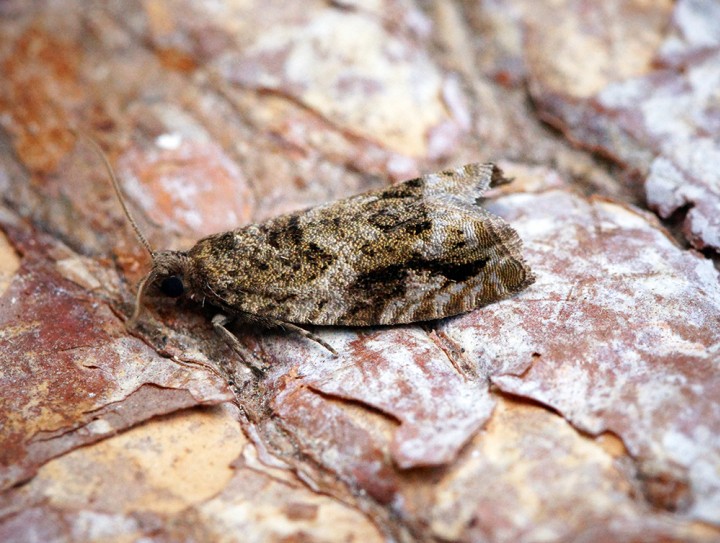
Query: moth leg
x=250 y=360
x=307 y=335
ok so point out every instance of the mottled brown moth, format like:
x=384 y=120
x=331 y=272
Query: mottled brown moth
x=420 y=250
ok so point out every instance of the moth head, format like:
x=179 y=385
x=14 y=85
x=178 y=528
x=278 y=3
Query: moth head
x=169 y=274
x=169 y=268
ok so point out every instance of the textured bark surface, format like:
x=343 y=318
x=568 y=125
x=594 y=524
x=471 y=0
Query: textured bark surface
x=584 y=409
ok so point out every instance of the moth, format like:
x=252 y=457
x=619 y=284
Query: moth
x=420 y=250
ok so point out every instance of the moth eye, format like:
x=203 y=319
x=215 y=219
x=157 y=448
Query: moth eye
x=172 y=286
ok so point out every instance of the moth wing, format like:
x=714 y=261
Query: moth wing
x=465 y=184
x=466 y=260
x=419 y=250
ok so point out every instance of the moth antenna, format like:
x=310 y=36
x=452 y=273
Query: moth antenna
x=141 y=288
x=150 y=277
x=118 y=192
